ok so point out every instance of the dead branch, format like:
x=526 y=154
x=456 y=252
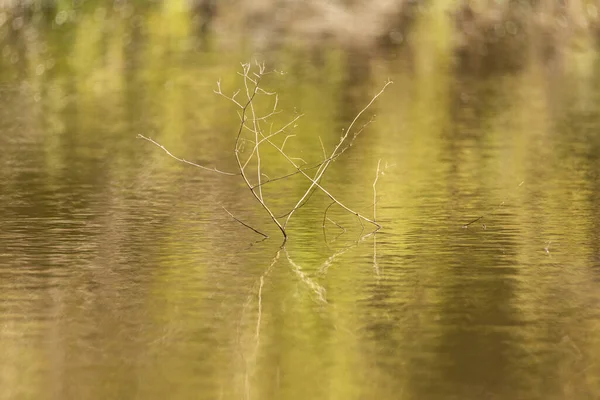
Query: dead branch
x=251 y=130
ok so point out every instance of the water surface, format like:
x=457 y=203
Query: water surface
x=121 y=277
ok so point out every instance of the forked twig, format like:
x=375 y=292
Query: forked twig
x=326 y=164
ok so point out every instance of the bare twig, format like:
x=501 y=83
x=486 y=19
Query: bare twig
x=356 y=134
x=375 y=264
x=326 y=218
x=231 y=98
x=491 y=212
x=325 y=213
x=243 y=223
x=362 y=226
x=375 y=191
x=292 y=174
x=323 y=148
x=336 y=224
x=184 y=160
x=476 y=219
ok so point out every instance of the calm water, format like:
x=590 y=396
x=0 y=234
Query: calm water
x=121 y=277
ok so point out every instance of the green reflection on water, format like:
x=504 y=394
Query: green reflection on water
x=121 y=277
